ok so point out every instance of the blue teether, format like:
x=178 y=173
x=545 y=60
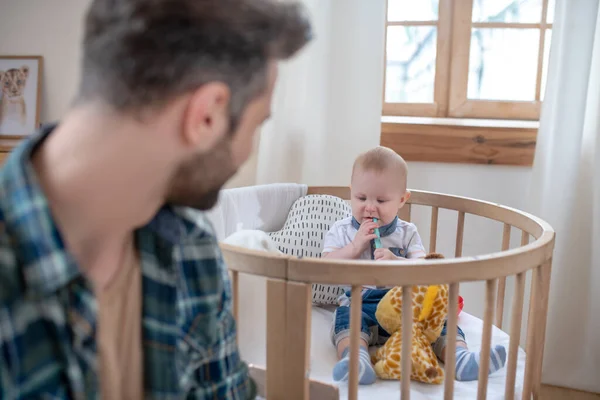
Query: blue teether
x=378 y=240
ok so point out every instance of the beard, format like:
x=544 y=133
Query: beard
x=198 y=181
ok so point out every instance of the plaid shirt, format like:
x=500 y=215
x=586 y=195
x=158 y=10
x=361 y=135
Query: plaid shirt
x=48 y=312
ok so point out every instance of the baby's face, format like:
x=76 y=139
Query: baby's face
x=376 y=195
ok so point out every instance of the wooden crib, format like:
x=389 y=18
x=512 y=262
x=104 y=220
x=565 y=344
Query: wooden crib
x=289 y=298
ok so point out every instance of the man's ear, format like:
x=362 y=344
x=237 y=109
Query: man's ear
x=206 y=119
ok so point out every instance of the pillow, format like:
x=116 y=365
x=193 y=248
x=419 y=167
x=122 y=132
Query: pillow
x=307 y=223
x=253 y=239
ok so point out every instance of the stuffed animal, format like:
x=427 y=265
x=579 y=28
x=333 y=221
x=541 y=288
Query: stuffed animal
x=430 y=307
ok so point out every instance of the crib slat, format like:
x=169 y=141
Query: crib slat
x=524 y=242
x=502 y=280
x=318 y=390
x=546 y=269
x=530 y=347
x=450 y=352
x=276 y=345
x=524 y=238
x=434 y=228
x=460 y=230
x=298 y=321
x=235 y=285
x=486 y=338
x=515 y=336
x=407 y=319
x=355 y=320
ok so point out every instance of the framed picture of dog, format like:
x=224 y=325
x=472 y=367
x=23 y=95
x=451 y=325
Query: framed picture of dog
x=20 y=95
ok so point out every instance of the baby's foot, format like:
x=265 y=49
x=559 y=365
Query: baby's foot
x=366 y=373
x=467 y=363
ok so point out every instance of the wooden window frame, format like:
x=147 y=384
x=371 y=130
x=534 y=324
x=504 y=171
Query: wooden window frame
x=439 y=107
x=460 y=105
x=455 y=128
x=461 y=140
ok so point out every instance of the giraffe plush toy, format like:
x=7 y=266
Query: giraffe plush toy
x=430 y=307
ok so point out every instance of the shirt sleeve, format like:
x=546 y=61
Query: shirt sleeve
x=332 y=240
x=215 y=367
x=415 y=247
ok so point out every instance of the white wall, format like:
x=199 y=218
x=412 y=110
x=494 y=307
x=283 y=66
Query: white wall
x=323 y=108
x=52 y=29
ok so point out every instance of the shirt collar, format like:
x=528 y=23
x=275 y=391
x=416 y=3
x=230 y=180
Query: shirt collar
x=37 y=244
x=384 y=230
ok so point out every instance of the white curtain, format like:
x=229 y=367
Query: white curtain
x=566 y=193
x=327 y=103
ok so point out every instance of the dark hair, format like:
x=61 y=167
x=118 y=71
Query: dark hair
x=142 y=53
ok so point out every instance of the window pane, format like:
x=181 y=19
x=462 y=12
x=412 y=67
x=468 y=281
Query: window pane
x=547 y=40
x=411 y=10
x=550 y=14
x=526 y=11
x=410 y=68
x=503 y=64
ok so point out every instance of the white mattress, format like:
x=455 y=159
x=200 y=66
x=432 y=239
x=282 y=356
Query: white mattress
x=323 y=358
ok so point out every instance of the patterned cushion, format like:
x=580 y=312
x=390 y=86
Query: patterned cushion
x=302 y=235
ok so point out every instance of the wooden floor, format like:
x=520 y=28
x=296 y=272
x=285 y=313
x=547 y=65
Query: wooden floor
x=556 y=393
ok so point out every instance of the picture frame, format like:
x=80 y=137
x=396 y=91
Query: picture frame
x=20 y=95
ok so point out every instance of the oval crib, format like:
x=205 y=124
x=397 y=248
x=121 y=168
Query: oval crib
x=289 y=297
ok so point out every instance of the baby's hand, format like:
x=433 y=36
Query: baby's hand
x=385 y=254
x=365 y=234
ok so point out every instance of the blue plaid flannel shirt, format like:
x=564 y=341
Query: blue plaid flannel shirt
x=48 y=311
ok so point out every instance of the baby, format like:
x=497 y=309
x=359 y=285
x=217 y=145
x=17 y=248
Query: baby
x=378 y=190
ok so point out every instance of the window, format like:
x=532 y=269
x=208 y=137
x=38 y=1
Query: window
x=466 y=58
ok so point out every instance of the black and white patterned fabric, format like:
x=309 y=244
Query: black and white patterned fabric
x=308 y=221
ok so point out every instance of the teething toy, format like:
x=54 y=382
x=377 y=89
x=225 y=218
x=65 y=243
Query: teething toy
x=378 y=240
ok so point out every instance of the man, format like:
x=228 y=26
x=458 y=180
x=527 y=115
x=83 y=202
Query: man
x=106 y=288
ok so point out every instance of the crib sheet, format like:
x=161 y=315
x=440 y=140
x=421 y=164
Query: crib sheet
x=323 y=358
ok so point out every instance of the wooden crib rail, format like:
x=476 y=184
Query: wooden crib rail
x=422 y=272
x=502 y=281
x=460 y=233
x=255 y=262
x=288 y=340
x=289 y=379
x=452 y=324
x=433 y=229
x=317 y=390
x=519 y=219
x=290 y=279
x=486 y=341
x=515 y=336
